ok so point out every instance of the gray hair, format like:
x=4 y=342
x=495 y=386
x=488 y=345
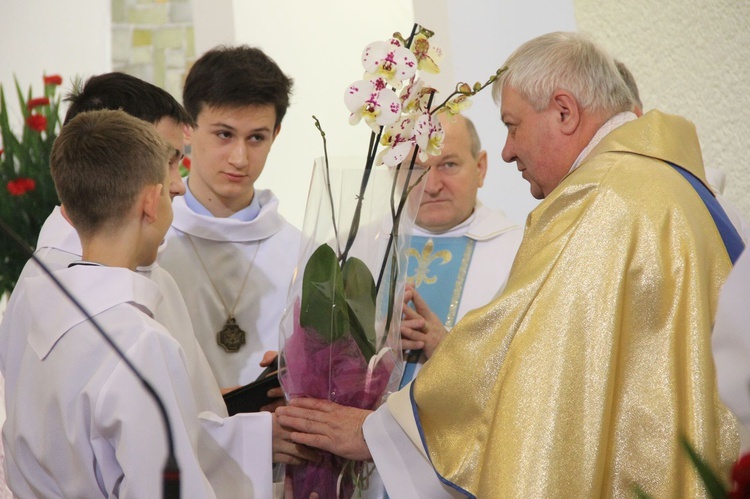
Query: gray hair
x=629 y=80
x=568 y=61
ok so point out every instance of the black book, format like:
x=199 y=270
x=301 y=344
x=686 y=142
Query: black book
x=253 y=396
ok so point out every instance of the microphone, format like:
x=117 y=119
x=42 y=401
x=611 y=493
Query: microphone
x=171 y=472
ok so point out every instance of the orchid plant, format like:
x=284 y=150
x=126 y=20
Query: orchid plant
x=396 y=104
x=333 y=344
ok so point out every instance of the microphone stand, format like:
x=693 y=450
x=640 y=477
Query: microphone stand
x=171 y=472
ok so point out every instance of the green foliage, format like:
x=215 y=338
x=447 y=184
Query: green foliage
x=25 y=162
x=323 y=302
x=337 y=301
x=713 y=484
x=360 y=292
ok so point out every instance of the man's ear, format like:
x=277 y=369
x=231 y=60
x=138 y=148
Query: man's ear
x=187 y=133
x=276 y=132
x=150 y=197
x=482 y=165
x=568 y=111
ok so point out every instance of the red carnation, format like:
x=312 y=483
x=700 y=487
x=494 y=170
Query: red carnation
x=53 y=80
x=741 y=478
x=21 y=186
x=186 y=162
x=37 y=122
x=39 y=101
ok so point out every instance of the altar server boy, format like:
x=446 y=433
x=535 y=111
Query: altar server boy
x=79 y=423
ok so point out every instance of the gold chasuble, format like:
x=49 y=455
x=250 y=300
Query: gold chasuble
x=578 y=380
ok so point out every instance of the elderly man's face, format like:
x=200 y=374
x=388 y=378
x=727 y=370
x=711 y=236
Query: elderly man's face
x=451 y=185
x=533 y=143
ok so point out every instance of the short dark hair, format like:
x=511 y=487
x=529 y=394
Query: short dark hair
x=236 y=77
x=101 y=161
x=128 y=93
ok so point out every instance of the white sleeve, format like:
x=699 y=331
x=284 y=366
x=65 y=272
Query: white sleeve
x=129 y=423
x=731 y=343
x=235 y=454
x=405 y=470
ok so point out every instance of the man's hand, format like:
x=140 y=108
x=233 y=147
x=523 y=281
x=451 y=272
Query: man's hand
x=328 y=426
x=278 y=395
x=285 y=450
x=420 y=327
x=274 y=393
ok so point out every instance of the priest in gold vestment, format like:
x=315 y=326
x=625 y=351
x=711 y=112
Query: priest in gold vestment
x=579 y=379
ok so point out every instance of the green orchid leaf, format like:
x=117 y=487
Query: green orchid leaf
x=323 y=305
x=359 y=287
x=713 y=484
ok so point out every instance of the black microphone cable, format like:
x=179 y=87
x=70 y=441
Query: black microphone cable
x=171 y=473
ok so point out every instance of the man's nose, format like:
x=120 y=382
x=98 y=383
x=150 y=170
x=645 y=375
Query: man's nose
x=434 y=182
x=509 y=153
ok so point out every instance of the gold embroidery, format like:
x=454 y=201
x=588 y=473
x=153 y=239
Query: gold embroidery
x=458 y=290
x=424 y=261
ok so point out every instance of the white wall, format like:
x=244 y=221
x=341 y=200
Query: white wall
x=689 y=57
x=66 y=37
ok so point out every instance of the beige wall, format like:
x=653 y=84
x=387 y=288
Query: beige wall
x=690 y=57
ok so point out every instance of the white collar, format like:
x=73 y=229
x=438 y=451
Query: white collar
x=611 y=124
x=483 y=224
x=96 y=288
x=267 y=223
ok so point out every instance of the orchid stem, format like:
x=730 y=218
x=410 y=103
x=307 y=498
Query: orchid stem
x=374 y=139
x=328 y=184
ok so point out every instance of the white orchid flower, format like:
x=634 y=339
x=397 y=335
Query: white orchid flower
x=426 y=53
x=414 y=97
x=429 y=134
x=373 y=101
x=457 y=104
x=390 y=61
x=398 y=140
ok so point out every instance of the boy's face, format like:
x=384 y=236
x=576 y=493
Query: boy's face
x=229 y=148
x=171 y=131
x=164 y=210
x=160 y=224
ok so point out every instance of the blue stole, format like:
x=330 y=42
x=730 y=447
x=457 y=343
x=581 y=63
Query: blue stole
x=437 y=268
x=732 y=240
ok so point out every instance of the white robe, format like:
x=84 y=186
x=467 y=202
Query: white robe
x=731 y=340
x=59 y=245
x=395 y=450
x=496 y=242
x=80 y=424
x=227 y=247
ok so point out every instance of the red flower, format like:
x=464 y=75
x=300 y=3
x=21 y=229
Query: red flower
x=53 y=80
x=21 y=186
x=37 y=122
x=1 y=151
x=39 y=101
x=186 y=162
x=741 y=478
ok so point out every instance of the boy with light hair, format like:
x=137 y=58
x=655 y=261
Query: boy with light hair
x=79 y=422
